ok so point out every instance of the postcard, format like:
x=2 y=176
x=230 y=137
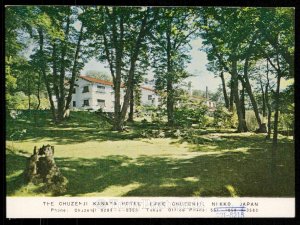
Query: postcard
x=138 y=112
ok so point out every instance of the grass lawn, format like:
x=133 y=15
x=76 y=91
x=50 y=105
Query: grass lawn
x=99 y=162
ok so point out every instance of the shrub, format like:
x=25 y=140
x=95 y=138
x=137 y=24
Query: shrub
x=186 y=115
x=224 y=118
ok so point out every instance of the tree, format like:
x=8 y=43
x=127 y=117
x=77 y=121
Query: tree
x=120 y=33
x=225 y=33
x=58 y=52
x=15 y=19
x=276 y=28
x=170 y=48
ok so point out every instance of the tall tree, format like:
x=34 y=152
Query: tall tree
x=15 y=25
x=224 y=37
x=170 y=48
x=120 y=34
x=59 y=35
x=277 y=33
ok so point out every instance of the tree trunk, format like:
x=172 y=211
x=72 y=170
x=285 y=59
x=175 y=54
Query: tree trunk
x=38 y=92
x=261 y=127
x=117 y=124
x=276 y=115
x=264 y=107
x=231 y=98
x=61 y=100
x=170 y=91
x=224 y=91
x=74 y=74
x=131 y=107
x=118 y=45
x=241 y=121
x=55 y=75
x=268 y=107
x=43 y=70
x=133 y=59
x=243 y=103
x=170 y=103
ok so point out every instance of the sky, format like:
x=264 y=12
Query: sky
x=197 y=66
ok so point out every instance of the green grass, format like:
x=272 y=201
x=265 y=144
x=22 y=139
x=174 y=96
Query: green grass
x=99 y=162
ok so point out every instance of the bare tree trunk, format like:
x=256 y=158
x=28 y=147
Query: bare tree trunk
x=131 y=107
x=263 y=96
x=241 y=121
x=276 y=115
x=243 y=103
x=268 y=106
x=231 y=98
x=224 y=91
x=170 y=103
x=55 y=75
x=38 y=92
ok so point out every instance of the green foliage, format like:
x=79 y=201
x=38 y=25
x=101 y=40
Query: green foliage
x=287 y=119
x=19 y=100
x=223 y=118
x=189 y=113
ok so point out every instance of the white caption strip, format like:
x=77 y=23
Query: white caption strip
x=143 y=207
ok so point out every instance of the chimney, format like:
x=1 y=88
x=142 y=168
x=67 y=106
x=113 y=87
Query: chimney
x=206 y=93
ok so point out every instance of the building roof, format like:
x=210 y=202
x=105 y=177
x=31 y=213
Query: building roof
x=148 y=89
x=95 y=80
x=109 y=83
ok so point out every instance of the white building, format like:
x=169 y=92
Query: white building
x=91 y=93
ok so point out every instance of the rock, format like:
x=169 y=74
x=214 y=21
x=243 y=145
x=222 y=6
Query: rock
x=41 y=168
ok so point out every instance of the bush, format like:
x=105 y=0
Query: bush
x=186 y=116
x=224 y=118
x=286 y=122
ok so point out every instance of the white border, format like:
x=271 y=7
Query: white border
x=149 y=207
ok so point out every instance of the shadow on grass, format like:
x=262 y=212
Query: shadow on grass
x=223 y=174
x=80 y=127
x=15 y=165
x=232 y=141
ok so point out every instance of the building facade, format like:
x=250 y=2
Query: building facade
x=93 y=94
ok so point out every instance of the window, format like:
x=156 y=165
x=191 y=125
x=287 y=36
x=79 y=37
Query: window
x=101 y=103
x=74 y=90
x=86 y=102
x=149 y=97
x=74 y=103
x=85 y=89
x=100 y=89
